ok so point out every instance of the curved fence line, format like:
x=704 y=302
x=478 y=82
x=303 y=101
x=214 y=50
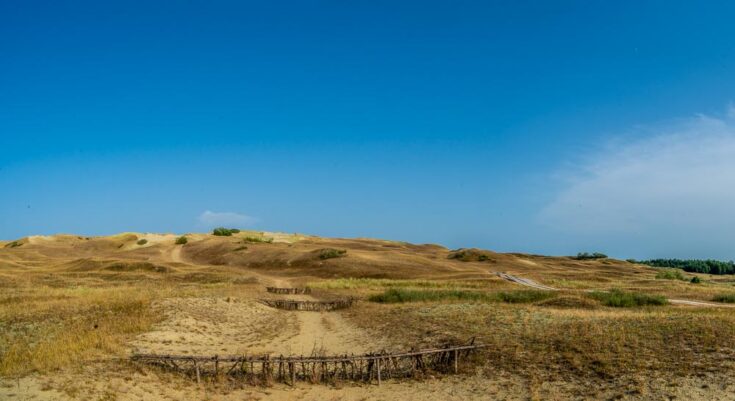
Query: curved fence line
x=284 y=290
x=317 y=369
x=320 y=306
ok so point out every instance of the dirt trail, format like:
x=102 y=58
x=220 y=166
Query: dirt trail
x=530 y=283
x=209 y=326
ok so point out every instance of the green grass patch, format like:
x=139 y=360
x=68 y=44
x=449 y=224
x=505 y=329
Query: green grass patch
x=727 y=298
x=622 y=299
x=402 y=295
x=670 y=274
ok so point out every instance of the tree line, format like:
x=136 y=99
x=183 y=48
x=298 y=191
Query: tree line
x=708 y=266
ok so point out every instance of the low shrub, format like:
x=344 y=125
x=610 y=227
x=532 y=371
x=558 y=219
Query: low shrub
x=329 y=253
x=670 y=274
x=588 y=256
x=142 y=241
x=13 y=244
x=695 y=280
x=182 y=240
x=621 y=299
x=727 y=298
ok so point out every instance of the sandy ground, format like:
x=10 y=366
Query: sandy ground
x=227 y=326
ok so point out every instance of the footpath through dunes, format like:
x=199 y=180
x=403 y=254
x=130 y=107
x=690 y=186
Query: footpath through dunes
x=245 y=326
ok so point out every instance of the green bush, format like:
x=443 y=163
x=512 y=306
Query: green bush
x=182 y=240
x=329 y=253
x=696 y=280
x=621 y=299
x=670 y=274
x=631 y=260
x=401 y=295
x=13 y=244
x=222 y=232
x=588 y=256
x=142 y=241
x=727 y=298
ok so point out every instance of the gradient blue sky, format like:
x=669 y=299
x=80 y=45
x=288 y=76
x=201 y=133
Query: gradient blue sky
x=545 y=127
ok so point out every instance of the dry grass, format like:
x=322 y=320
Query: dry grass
x=49 y=328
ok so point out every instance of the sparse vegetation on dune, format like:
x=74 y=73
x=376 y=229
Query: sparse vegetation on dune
x=181 y=240
x=142 y=241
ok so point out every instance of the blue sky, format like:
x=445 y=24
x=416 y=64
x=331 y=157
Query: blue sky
x=545 y=127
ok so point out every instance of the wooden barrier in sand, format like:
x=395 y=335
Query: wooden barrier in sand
x=284 y=290
x=266 y=369
x=317 y=306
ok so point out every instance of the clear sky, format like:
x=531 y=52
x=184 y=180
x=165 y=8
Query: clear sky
x=544 y=127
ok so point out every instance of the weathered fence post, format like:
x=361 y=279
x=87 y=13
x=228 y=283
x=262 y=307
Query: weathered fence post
x=378 y=360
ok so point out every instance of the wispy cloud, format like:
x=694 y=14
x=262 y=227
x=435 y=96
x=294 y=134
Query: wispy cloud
x=230 y=219
x=673 y=192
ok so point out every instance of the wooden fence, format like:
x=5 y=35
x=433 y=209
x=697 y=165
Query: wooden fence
x=319 y=306
x=367 y=368
x=277 y=290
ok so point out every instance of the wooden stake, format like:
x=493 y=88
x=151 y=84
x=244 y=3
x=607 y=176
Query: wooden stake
x=378 y=360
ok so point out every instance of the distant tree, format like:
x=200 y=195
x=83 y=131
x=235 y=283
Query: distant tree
x=708 y=266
